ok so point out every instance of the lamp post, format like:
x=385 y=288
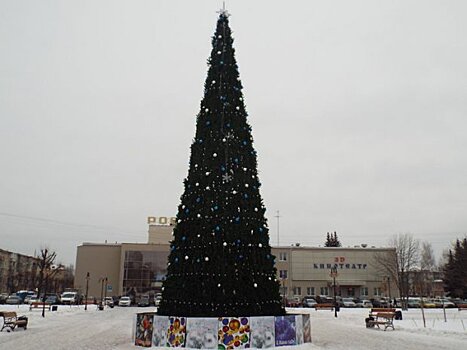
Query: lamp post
x=105 y=290
x=87 y=289
x=334 y=274
x=102 y=280
x=284 y=297
x=389 y=289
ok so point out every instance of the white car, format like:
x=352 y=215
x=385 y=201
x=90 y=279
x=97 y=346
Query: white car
x=124 y=301
x=442 y=302
x=309 y=302
x=365 y=303
x=69 y=298
x=348 y=302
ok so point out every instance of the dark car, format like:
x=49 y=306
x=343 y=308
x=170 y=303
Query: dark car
x=143 y=301
x=13 y=300
x=52 y=300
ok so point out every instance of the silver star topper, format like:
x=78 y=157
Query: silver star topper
x=223 y=11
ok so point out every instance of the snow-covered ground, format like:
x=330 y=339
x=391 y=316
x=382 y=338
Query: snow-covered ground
x=74 y=328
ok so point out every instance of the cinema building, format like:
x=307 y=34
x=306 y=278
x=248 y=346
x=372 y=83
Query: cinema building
x=139 y=268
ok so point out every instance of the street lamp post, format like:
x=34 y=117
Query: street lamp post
x=334 y=274
x=284 y=297
x=105 y=290
x=102 y=280
x=389 y=289
x=87 y=289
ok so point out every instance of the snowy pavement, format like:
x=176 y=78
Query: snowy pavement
x=73 y=328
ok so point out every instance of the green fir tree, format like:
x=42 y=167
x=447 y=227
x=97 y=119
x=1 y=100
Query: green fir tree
x=455 y=270
x=332 y=240
x=220 y=262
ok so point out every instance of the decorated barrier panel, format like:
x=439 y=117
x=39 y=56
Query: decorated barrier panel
x=151 y=330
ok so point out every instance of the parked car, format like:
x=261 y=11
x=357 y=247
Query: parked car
x=428 y=304
x=309 y=302
x=413 y=303
x=157 y=299
x=24 y=293
x=143 y=301
x=365 y=303
x=292 y=302
x=324 y=299
x=381 y=302
x=36 y=299
x=443 y=302
x=124 y=301
x=3 y=297
x=28 y=298
x=13 y=300
x=109 y=301
x=69 y=298
x=52 y=300
x=348 y=302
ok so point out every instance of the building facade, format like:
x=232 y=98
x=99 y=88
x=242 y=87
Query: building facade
x=117 y=269
x=307 y=271
x=139 y=268
x=17 y=272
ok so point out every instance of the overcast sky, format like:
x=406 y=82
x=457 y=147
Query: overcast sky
x=358 y=110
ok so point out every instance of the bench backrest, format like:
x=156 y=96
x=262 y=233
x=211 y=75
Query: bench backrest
x=8 y=314
x=382 y=309
x=324 y=305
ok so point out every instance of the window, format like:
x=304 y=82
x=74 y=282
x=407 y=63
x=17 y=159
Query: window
x=282 y=256
x=324 y=291
x=377 y=292
x=297 y=290
x=142 y=270
x=351 y=292
x=364 y=291
x=310 y=291
x=283 y=274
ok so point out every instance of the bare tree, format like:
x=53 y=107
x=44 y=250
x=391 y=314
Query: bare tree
x=47 y=271
x=427 y=257
x=423 y=280
x=399 y=262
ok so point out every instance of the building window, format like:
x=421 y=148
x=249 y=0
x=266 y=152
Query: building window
x=351 y=292
x=364 y=291
x=324 y=291
x=284 y=291
x=377 y=292
x=297 y=290
x=143 y=271
x=283 y=274
x=282 y=256
x=310 y=291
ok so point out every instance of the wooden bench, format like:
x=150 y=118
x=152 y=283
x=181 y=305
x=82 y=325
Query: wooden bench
x=380 y=319
x=11 y=320
x=461 y=307
x=39 y=305
x=324 y=307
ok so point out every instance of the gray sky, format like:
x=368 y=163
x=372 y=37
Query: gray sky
x=357 y=107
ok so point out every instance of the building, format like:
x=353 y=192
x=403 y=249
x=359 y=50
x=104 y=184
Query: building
x=117 y=269
x=307 y=271
x=17 y=272
x=139 y=268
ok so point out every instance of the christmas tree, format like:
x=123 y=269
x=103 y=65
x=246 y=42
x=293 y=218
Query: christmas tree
x=220 y=261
